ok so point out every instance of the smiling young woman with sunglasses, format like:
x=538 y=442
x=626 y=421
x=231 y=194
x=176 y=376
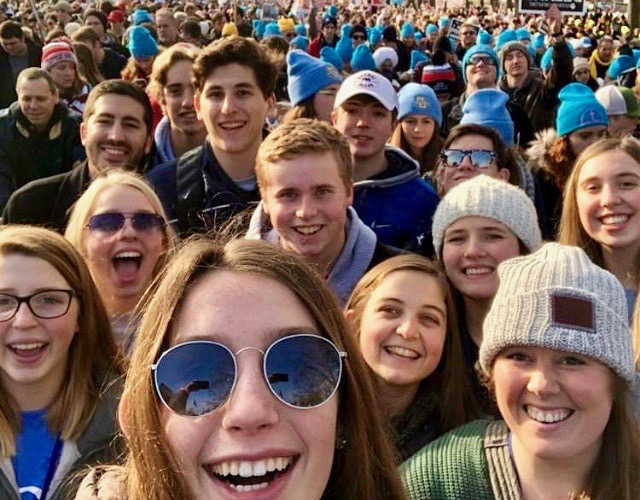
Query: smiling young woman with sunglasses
x=223 y=404
x=120 y=228
x=58 y=368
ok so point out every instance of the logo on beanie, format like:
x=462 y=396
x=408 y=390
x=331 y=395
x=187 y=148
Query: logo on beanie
x=588 y=116
x=365 y=80
x=570 y=311
x=420 y=102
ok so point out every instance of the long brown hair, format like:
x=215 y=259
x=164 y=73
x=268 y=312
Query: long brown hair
x=430 y=154
x=92 y=352
x=559 y=161
x=363 y=470
x=449 y=382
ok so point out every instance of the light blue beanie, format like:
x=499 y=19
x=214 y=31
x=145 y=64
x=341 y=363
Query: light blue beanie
x=141 y=16
x=332 y=11
x=479 y=49
x=505 y=37
x=272 y=29
x=419 y=99
x=362 y=59
x=636 y=55
x=330 y=56
x=488 y=107
x=141 y=43
x=547 y=58
x=579 y=109
x=258 y=26
x=344 y=47
x=431 y=29
x=299 y=42
x=407 y=31
x=307 y=75
x=375 y=37
x=523 y=34
x=419 y=36
x=538 y=41
x=620 y=65
x=417 y=57
x=301 y=30
x=484 y=38
x=443 y=22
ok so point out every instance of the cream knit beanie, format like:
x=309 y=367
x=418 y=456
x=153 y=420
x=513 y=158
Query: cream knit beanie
x=484 y=196
x=558 y=299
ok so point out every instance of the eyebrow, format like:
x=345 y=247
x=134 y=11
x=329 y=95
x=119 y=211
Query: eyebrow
x=621 y=175
x=114 y=117
x=427 y=306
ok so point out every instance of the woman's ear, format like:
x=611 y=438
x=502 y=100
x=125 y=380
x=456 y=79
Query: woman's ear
x=348 y=314
x=123 y=407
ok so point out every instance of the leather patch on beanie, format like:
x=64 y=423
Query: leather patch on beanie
x=572 y=312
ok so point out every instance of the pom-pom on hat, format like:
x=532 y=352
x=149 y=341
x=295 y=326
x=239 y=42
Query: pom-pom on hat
x=484 y=196
x=488 y=107
x=141 y=16
x=556 y=298
x=56 y=52
x=307 y=75
x=330 y=56
x=141 y=43
x=367 y=83
x=362 y=59
x=578 y=109
x=384 y=53
x=419 y=99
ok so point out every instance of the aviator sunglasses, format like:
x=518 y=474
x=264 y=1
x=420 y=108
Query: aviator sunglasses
x=112 y=222
x=480 y=158
x=195 y=378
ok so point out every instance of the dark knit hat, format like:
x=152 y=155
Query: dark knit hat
x=390 y=34
x=442 y=43
x=510 y=47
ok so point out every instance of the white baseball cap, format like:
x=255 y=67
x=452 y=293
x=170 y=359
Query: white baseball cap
x=368 y=83
x=618 y=101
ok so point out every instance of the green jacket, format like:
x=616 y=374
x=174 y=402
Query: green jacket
x=471 y=462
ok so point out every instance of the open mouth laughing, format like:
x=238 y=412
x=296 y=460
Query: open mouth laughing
x=548 y=416
x=247 y=476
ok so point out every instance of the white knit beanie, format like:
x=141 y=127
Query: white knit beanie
x=384 y=53
x=484 y=196
x=557 y=298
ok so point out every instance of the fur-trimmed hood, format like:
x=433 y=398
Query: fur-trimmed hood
x=537 y=151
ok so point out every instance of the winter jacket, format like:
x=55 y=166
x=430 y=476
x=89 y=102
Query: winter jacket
x=99 y=444
x=538 y=96
x=360 y=252
x=398 y=204
x=27 y=154
x=197 y=194
x=452 y=114
x=8 y=81
x=316 y=45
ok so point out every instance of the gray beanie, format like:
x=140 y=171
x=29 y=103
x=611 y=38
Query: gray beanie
x=484 y=196
x=557 y=298
x=510 y=47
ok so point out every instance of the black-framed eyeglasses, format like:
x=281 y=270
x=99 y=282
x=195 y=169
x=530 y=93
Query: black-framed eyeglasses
x=45 y=304
x=195 y=378
x=480 y=158
x=486 y=60
x=112 y=222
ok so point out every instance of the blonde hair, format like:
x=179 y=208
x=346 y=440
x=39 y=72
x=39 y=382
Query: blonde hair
x=300 y=137
x=363 y=470
x=92 y=353
x=163 y=63
x=449 y=383
x=571 y=231
x=83 y=210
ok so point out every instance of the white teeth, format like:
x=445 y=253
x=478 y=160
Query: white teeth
x=547 y=417
x=125 y=255
x=402 y=352
x=307 y=230
x=477 y=271
x=231 y=125
x=28 y=347
x=615 y=219
x=249 y=469
x=249 y=487
x=114 y=151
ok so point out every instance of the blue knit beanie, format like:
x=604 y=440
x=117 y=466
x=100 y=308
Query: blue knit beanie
x=419 y=36
x=330 y=56
x=344 y=47
x=407 y=31
x=546 y=61
x=416 y=57
x=579 y=109
x=479 y=49
x=419 y=99
x=301 y=29
x=140 y=16
x=362 y=59
x=620 y=65
x=488 y=107
x=636 y=55
x=443 y=22
x=272 y=29
x=375 y=37
x=259 y=27
x=538 y=41
x=523 y=34
x=431 y=29
x=307 y=75
x=141 y=43
x=332 y=11
x=299 y=42
x=505 y=37
x=484 y=38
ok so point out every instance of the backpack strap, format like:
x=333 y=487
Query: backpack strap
x=504 y=479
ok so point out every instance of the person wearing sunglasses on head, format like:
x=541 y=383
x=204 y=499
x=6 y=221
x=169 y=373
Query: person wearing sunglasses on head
x=120 y=228
x=478 y=224
x=480 y=71
x=59 y=368
x=224 y=404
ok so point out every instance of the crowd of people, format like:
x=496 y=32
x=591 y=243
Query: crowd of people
x=413 y=234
